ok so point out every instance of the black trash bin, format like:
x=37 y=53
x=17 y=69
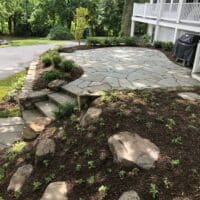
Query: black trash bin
x=185 y=48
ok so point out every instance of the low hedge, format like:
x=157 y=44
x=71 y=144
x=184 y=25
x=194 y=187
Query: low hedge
x=167 y=46
x=111 y=41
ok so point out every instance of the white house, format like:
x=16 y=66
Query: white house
x=168 y=19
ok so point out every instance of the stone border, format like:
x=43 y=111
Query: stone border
x=28 y=96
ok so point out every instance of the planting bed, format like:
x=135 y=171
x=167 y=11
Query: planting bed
x=84 y=161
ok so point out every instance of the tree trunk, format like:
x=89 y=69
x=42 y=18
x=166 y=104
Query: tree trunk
x=126 y=17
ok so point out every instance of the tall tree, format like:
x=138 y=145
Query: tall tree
x=126 y=18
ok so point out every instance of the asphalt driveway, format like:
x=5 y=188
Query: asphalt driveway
x=15 y=59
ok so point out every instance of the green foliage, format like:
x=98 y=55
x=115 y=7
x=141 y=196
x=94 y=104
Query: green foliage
x=14 y=150
x=60 y=33
x=163 y=45
x=153 y=190
x=50 y=75
x=36 y=185
x=2 y=174
x=56 y=60
x=46 y=60
x=79 y=23
x=64 y=111
x=175 y=162
x=111 y=41
x=67 y=65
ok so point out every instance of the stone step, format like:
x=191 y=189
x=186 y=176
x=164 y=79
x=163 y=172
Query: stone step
x=61 y=98
x=30 y=115
x=47 y=108
x=72 y=89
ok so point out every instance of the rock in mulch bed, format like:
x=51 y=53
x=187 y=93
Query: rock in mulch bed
x=56 y=191
x=40 y=123
x=129 y=149
x=130 y=195
x=191 y=96
x=29 y=134
x=19 y=178
x=44 y=149
x=91 y=116
x=56 y=85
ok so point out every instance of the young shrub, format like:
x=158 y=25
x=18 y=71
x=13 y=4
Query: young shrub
x=116 y=41
x=129 y=41
x=50 y=75
x=46 y=60
x=64 y=111
x=60 y=33
x=79 y=23
x=56 y=60
x=158 y=44
x=167 y=46
x=67 y=65
x=107 y=42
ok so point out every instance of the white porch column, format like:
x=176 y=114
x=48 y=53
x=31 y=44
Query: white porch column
x=158 y=20
x=196 y=67
x=132 y=28
x=176 y=32
x=150 y=30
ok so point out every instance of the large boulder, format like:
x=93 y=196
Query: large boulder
x=56 y=191
x=19 y=178
x=91 y=116
x=130 y=149
x=45 y=149
x=130 y=195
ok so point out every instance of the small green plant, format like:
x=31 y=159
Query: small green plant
x=2 y=174
x=17 y=194
x=91 y=180
x=91 y=164
x=51 y=75
x=78 y=167
x=50 y=178
x=64 y=111
x=122 y=174
x=166 y=183
x=103 y=190
x=15 y=149
x=175 y=162
x=170 y=124
x=37 y=185
x=67 y=65
x=88 y=152
x=153 y=190
x=177 y=140
x=149 y=125
x=46 y=163
x=129 y=41
x=79 y=181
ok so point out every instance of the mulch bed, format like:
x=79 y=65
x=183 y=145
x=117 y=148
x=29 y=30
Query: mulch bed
x=150 y=114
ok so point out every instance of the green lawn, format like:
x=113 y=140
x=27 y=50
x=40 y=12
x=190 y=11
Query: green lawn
x=7 y=85
x=30 y=41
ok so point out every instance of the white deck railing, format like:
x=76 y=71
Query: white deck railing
x=190 y=12
x=169 y=11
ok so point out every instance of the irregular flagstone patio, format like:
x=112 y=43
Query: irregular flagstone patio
x=127 y=68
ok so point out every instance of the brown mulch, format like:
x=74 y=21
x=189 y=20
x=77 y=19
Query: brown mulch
x=147 y=113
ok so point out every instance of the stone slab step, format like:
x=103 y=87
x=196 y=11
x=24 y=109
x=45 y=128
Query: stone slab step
x=61 y=98
x=30 y=115
x=47 y=108
x=72 y=89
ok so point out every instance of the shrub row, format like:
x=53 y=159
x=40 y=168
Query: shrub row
x=111 y=41
x=128 y=41
x=59 y=62
x=168 y=46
